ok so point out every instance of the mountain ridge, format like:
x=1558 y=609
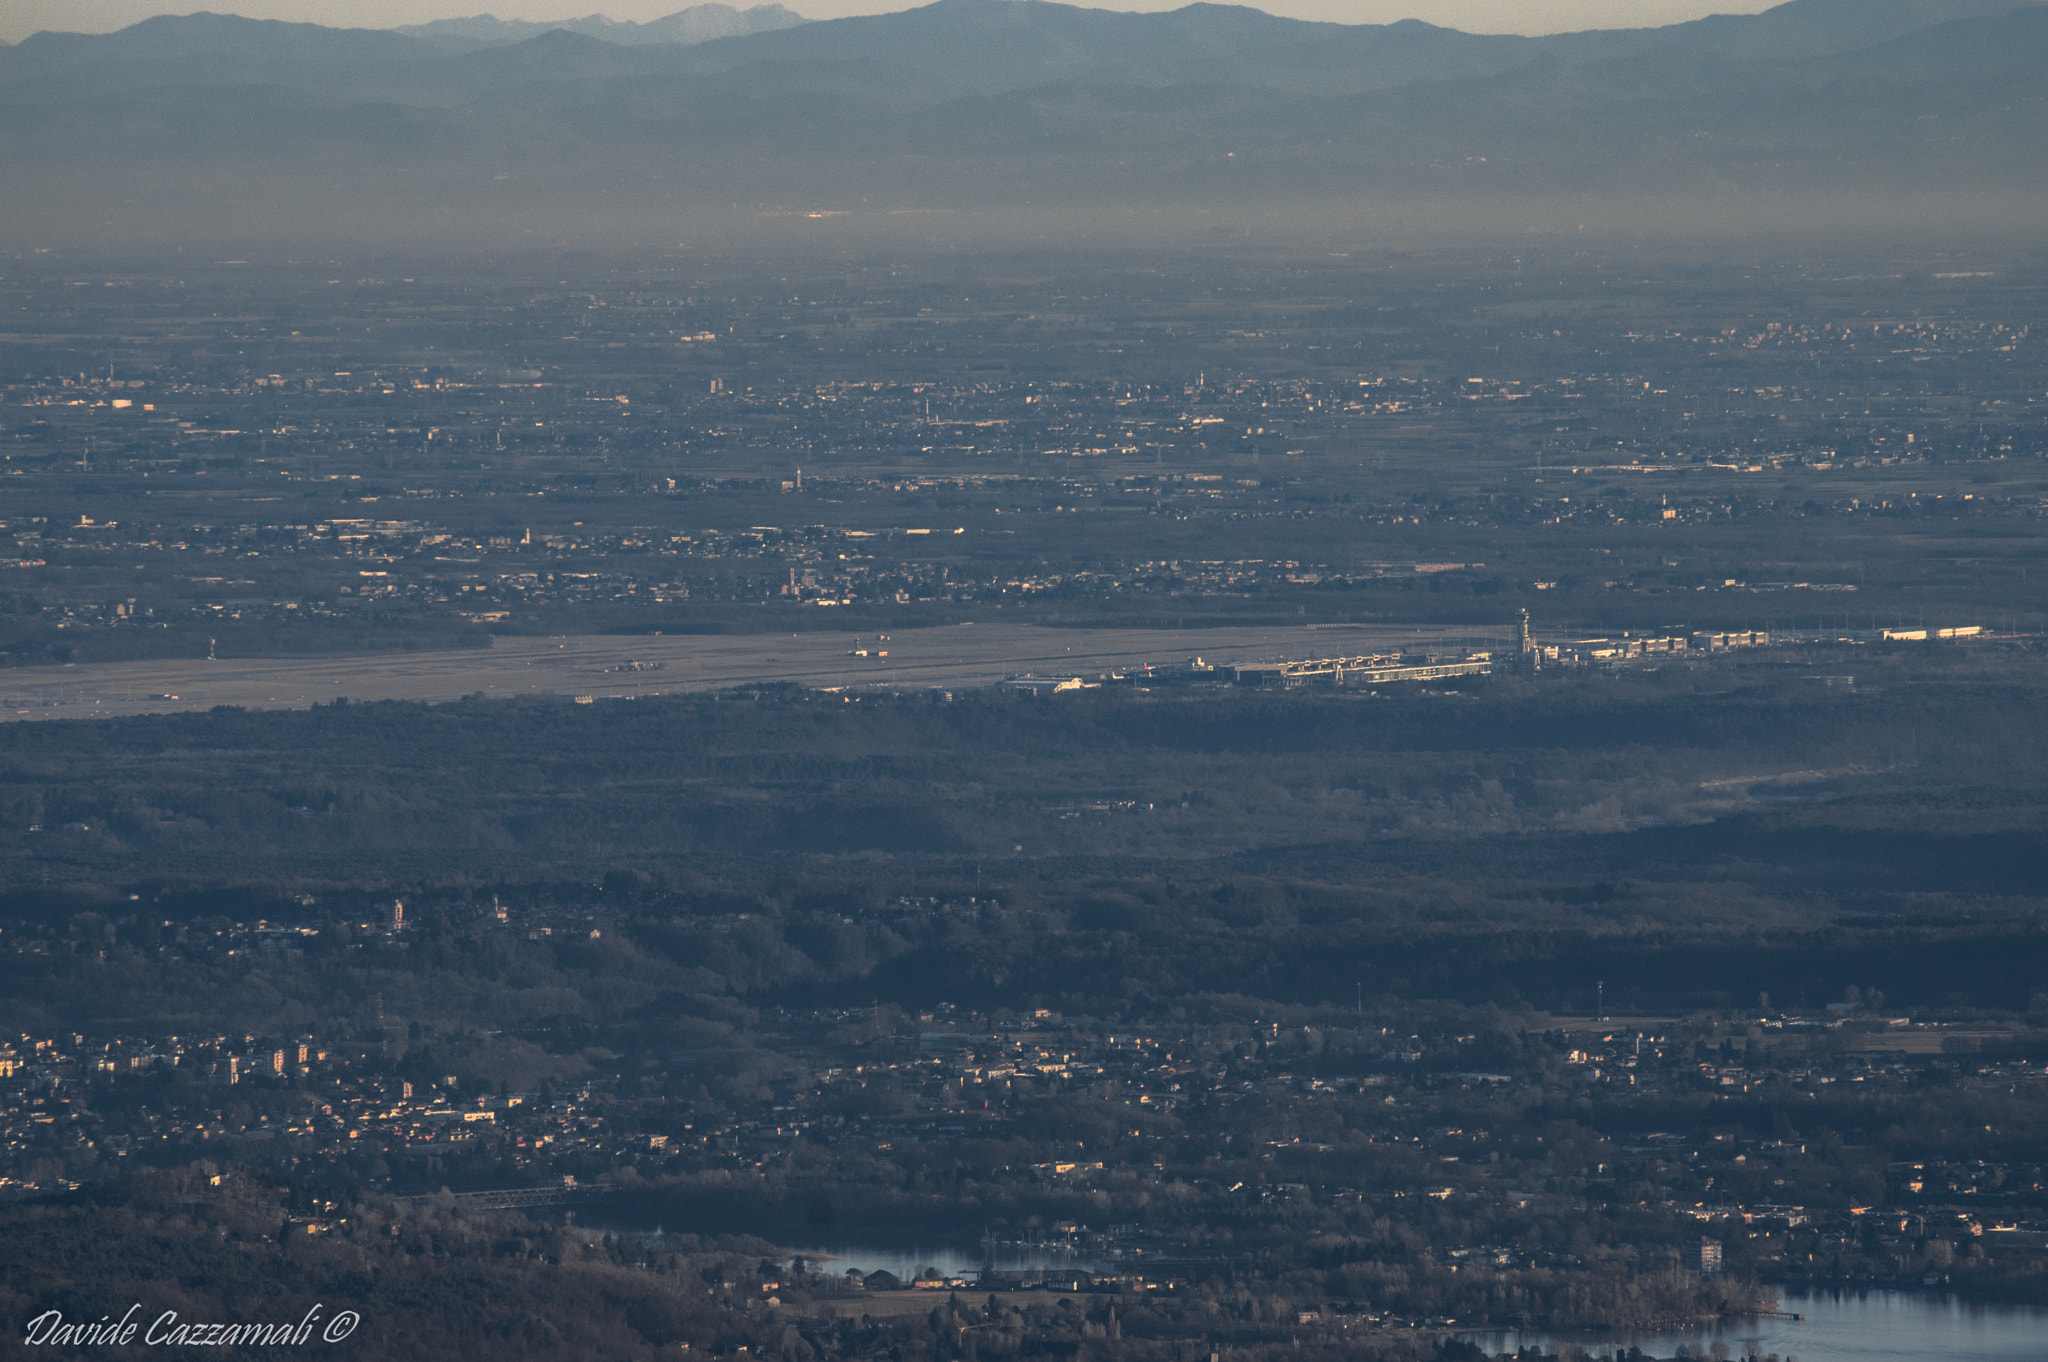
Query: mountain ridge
x=980 y=106
x=684 y=28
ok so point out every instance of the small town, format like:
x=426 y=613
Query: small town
x=1482 y=1153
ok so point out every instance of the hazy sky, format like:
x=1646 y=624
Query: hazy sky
x=19 y=18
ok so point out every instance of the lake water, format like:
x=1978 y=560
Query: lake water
x=1838 y=1325
x=952 y=1262
x=1849 y=1326
x=904 y=1263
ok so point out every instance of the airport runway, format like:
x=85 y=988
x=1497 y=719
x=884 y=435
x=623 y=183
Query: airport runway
x=599 y=665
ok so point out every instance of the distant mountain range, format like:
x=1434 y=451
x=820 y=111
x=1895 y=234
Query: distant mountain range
x=685 y=28
x=1853 y=115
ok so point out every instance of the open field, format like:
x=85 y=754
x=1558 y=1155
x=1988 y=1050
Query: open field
x=955 y=656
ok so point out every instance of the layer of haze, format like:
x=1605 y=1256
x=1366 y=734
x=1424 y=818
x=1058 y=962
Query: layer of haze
x=19 y=18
